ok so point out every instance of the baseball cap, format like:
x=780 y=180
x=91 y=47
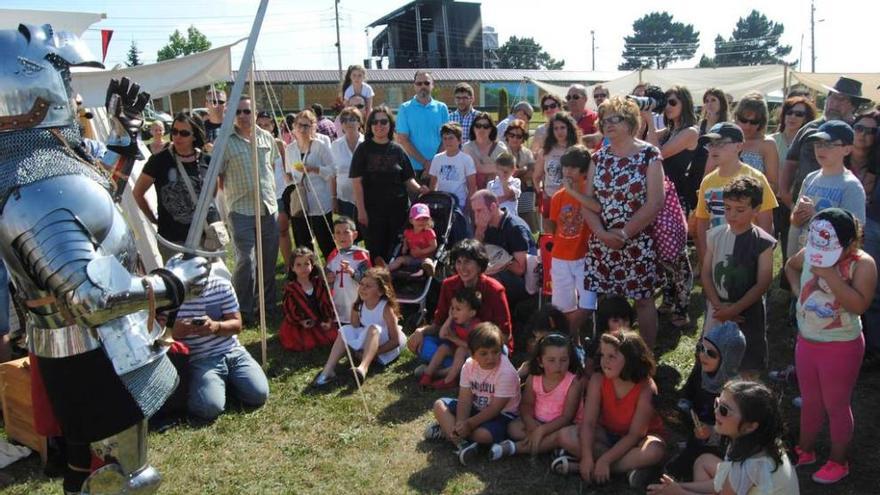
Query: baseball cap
x=723 y=130
x=419 y=210
x=832 y=230
x=834 y=130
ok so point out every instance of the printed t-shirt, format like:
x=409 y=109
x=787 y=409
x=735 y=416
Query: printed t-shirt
x=452 y=173
x=572 y=233
x=501 y=382
x=710 y=202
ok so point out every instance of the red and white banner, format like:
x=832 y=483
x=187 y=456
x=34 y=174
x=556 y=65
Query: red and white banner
x=106 y=34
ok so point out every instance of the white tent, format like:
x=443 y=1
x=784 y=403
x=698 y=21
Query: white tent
x=75 y=22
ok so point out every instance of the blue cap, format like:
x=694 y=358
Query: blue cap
x=834 y=130
x=723 y=130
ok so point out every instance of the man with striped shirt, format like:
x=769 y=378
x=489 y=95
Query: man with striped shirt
x=208 y=325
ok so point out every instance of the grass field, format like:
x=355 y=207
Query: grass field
x=308 y=443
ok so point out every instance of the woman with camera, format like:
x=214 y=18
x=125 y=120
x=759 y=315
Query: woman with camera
x=626 y=178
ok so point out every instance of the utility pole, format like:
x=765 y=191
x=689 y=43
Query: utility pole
x=338 y=44
x=813 y=23
x=593 y=44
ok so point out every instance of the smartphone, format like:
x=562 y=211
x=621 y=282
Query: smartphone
x=198 y=321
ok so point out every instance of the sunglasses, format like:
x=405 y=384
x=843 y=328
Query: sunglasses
x=246 y=111
x=596 y=96
x=702 y=349
x=549 y=106
x=864 y=129
x=722 y=408
x=572 y=97
x=796 y=113
x=422 y=83
x=672 y=103
x=482 y=126
x=181 y=132
x=381 y=122
x=827 y=145
x=748 y=121
x=350 y=120
x=218 y=102
x=515 y=135
x=613 y=119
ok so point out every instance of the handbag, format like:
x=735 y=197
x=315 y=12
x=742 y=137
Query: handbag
x=216 y=235
x=670 y=226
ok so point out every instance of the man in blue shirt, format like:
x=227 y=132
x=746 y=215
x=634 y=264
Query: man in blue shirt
x=419 y=121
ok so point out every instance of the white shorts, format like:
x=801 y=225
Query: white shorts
x=569 y=293
x=355 y=337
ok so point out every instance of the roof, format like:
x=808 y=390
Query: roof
x=440 y=75
x=402 y=10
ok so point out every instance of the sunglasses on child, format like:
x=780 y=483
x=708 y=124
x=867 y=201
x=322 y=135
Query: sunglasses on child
x=748 y=121
x=181 y=132
x=702 y=349
x=722 y=408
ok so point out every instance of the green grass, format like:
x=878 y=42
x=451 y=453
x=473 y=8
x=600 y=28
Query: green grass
x=306 y=443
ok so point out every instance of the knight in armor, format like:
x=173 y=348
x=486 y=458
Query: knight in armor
x=72 y=258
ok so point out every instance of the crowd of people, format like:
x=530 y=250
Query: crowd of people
x=619 y=186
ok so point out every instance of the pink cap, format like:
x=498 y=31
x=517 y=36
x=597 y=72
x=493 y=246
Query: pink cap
x=419 y=210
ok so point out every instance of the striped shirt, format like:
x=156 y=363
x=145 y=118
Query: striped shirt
x=216 y=300
x=238 y=181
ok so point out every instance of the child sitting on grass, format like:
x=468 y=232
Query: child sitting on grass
x=621 y=429
x=309 y=318
x=419 y=242
x=551 y=399
x=547 y=320
x=454 y=334
x=505 y=186
x=738 y=269
x=345 y=267
x=488 y=397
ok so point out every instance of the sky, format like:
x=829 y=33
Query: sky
x=301 y=34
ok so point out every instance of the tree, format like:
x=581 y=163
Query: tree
x=755 y=41
x=503 y=103
x=526 y=53
x=707 y=62
x=657 y=40
x=133 y=58
x=179 y=46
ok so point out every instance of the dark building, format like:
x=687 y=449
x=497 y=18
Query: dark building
x=431 y=34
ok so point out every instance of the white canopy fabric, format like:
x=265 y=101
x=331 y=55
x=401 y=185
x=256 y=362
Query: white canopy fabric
x=821 y=81
x=75 y=22
x=734 y=80
x=162 y=78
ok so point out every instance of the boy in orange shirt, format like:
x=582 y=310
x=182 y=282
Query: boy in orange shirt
x=570 y=238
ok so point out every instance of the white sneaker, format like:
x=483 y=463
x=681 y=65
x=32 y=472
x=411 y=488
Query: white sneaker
x=499 y=450
x=433 y=432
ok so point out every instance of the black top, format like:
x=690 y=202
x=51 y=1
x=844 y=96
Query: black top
x=695 y=172
x=383 y=170
x=211 y=131
x=174 y=206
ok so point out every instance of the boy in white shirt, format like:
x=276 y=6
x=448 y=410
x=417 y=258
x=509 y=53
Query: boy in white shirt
x=453 y=171
x=345 y=267
x=505 y=186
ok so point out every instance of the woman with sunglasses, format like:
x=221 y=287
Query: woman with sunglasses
x=550 y=106
x=515 y=135
x=484 y=147
x=310 y=164
x=759 y=150
x=342 y=149
x=381 y=177
x=678 y=145
x=174 y=203
x=864 y=162
x=748 y=418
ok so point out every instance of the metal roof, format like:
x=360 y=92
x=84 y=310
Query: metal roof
x=387 y=18
x=440 y=75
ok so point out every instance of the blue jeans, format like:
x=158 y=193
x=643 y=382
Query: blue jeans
x=209 y=377
x=244 y=277
x=872 y=315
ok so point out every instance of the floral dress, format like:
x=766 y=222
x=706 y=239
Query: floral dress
x=621 y=187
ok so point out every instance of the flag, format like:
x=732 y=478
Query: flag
x=106 y=34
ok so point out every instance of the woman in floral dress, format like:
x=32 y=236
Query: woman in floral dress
x=626 y=177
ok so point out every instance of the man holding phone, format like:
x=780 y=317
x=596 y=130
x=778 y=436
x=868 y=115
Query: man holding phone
x=209 y=325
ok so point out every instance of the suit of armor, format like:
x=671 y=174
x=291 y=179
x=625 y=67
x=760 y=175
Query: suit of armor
x=72 y=258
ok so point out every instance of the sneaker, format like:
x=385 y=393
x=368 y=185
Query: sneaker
x=787 y=374
x=804 y=458
x=433 y=432
x=502 y=449
x=831 y=473
x=467 y=451
x=642 y=477
x=797 y=402
x=428 y=267
x=323 y=380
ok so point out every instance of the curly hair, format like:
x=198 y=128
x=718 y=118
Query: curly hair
x=572 y=133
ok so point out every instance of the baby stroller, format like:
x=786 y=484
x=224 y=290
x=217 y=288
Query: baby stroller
x=412 y=292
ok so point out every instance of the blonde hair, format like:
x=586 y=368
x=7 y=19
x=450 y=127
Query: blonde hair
x=625 y=108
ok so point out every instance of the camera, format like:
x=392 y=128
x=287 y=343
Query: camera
x=653 y=101
x=198 y=321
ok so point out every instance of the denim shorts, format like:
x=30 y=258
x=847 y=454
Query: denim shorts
x=497 y=426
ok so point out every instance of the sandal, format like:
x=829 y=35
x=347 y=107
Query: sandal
x=563 y=464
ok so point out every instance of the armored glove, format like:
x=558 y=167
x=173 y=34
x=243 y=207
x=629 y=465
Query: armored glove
x=125 y=104
x=183 y=277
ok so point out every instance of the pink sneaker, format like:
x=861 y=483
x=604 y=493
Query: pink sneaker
x=804 y=458
x=831 y=473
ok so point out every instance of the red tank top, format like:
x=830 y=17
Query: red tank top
x=616 y=415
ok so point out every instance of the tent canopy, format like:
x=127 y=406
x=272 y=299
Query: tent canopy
x=159 y=79
x=75 y=22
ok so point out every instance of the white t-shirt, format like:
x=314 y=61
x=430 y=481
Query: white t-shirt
x=494 y=186
x=366 y=91
x=452 y=173
x=342 y=155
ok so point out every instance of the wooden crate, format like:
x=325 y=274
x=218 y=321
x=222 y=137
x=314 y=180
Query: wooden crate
x=15 y=390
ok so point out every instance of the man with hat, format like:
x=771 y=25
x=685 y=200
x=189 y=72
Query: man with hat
x=724 y=144
x=833 y=185
x=844 y=98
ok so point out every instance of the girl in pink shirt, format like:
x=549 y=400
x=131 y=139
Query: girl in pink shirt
x=550 y=402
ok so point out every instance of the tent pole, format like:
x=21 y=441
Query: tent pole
x=784 y=81
x=258 y=204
